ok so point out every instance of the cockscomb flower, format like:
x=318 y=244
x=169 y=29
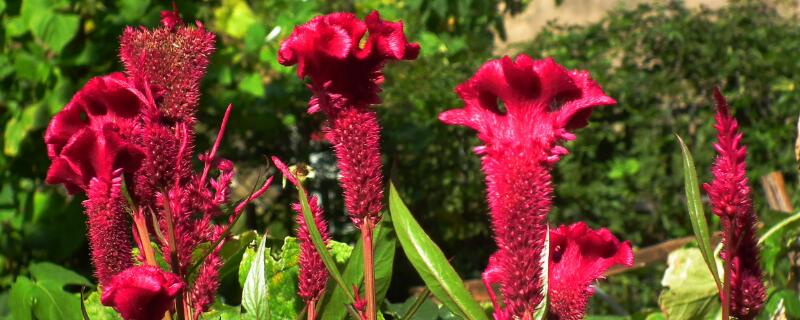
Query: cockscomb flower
x=729 y=194
x=313 y=275
x=142 y=293
x=345 y=80
x=88 y=145
x=523 y=110
x=88 y=138
x=172 y=59
x=579 y=256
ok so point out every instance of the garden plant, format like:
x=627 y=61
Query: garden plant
x=167 y=222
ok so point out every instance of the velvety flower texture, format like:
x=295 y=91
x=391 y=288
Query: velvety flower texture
x=313 y=276
x=578 y=257
x=345 y=80
x=523 y=110
x=142 y=293
x=87 y=144
x=729 y=193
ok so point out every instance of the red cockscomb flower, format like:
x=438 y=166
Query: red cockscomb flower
x=313 y=275
x=541 y=103
x=88 y=138
x=345 y=80
x=87 y=142
x=730 y=200
x=578 y=257
x=142 y=293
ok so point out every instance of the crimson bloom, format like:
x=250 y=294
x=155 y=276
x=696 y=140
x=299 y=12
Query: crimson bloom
x=729 y=193
x=313 y=276
x=88 y=144
x=523 y=110
x=578 y=257
x=345 y=80
x=142 y=293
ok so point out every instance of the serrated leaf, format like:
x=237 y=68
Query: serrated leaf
x=254 y=293
x=429 y=261
x=691 y=292
x=696 y=212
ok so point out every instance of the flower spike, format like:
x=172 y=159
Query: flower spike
x=729 y=193
x=522 y=109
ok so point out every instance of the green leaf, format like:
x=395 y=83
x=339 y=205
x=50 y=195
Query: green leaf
x=97 y=311
x=696 y=213
x=353 y=273
x=253 y=85
x=430 y=262
x=541 y=309
x=54 y=29
x=48 y=272
x=132 y=10
x=234 y=18
x=784 y=301
x=220 y=311
x=254 y=293
x=691 y=292
x=18 y=127
x=44 y=296
x=778 y=230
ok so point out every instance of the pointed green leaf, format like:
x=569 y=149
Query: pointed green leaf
x=254 y=293
x=429 y=261
x=696 y=213
x=541 y=309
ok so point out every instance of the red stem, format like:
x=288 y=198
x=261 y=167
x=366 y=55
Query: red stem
x=726 y=282
x=214 y=149
x=312 y=306
x=369 y=269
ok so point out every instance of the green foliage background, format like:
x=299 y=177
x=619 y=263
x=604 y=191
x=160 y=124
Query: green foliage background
x=659 y=61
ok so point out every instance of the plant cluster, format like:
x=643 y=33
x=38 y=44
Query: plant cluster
x=159 y=221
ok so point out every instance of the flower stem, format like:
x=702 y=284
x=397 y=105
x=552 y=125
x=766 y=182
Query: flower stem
x=175 y=264
x=726 y=282
x=369 y=269
x=144 y=238
x=311 y=313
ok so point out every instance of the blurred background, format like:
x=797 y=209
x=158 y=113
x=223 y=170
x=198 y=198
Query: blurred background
x=659 y=59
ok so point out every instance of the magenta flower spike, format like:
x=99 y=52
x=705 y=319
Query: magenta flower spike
x=729 y=193
x=345 y=81
x=313 y=275
x=578 y=257
x=523 y=110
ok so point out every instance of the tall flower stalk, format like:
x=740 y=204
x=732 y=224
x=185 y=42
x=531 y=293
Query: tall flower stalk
x=137 y=130
x=523 y=110
x=345 y=79
x=743 y=292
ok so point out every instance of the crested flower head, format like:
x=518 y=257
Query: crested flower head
x=88 y=138
x=344 y=73
x=172 y=59
x=142 y=293
x=729 y=193
x=525 y=104
x=523 y=110
x=578 y=257
x=345 y=79
x=313 y=275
